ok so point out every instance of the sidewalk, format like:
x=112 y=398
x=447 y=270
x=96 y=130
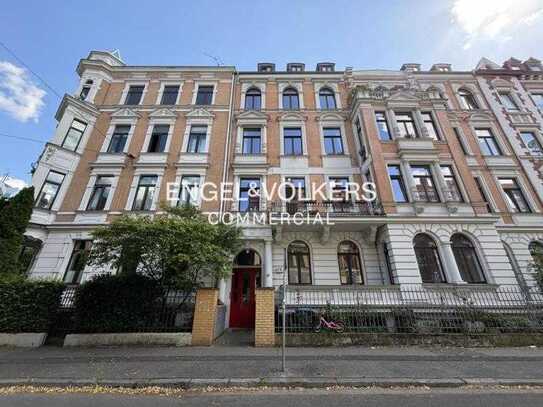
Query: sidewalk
x=244 y=366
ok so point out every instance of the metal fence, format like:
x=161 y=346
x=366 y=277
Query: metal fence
x=412 y=309
x=172 y=312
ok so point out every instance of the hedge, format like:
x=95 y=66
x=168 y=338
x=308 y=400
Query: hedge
x=116 y=303
x=28 y=305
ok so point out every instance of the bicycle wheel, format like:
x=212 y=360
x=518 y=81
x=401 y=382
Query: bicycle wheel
x=340 y=327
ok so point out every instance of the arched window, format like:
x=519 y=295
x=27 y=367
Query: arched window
x=431 y=270
x=467 y=100
x=350 y=269
x=290 y=99
x=299 y=264
x=467 y=260
x=536 y=250
x=327 y=99
x=253 y=99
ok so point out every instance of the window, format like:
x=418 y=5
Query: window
x=429 y=124
x=508 y=101
x=251 y=141
x=333 y=144
x=189 y=194
x=253 y=99
x=85 y=90
x=406 y=124
x=452 y=185
x=100 y=193
x=339 y=188
x=424 y=184
x=467 y=100
x=249 y=194
x=197 y=139
x=299 y=266
x=118 y=138
x=531 y=143
x=460 y=140
x=396 y=181
x=467 y=260
x=294 y=67
x=73 y=137
x=49 y=190
x=515 y=197
x=78 y=261
x=290 y=99
x=204 y=95
x=169 y=95
x=133 y=97
x=427 y=255
x=159 y=136
x=487 y=142
x=350 y=269
x=538 y=100
x=327 y=99
x=295 y=188
x=247 y=257
x=29 y=251
x=382 y=126
x=145 y=193
x=479 y=184
x=293 y=141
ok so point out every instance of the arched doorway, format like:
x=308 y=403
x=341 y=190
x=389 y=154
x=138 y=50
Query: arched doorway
x=246 y=277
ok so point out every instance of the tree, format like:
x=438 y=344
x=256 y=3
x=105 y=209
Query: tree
x=536 y=266
x=178 y=249
x=15 y=214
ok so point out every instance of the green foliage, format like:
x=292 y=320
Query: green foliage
x=15 y=214
x=28 y=305
x=537 y=268
x=179 y=248
x=116 y=303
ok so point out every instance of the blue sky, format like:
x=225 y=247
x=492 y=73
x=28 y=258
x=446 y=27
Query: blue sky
x=51 y=36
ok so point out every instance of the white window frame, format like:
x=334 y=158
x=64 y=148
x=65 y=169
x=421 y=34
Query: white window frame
x=197 y=122
x=330 y=85
x=65 y=123
x=188 y=173
x=163 y=84
x=476 y=124
x=537 y=135
x=119 y=121
x=474 y=91
x=127 y=87
x=245 y=86
x=324 y=122
x=152 y=123
x=263 y=137
x=298 y=85
x=525 y=192
x=139 y=172
x=113 y=172
x=292 y=122
x=488 y=194
x=197 y=85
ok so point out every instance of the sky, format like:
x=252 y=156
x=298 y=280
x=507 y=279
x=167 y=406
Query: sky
x=46 y=39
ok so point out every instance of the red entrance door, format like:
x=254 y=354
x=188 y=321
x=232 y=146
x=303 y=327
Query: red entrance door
x=242 y=298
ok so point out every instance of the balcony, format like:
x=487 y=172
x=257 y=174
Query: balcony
x=326 y=208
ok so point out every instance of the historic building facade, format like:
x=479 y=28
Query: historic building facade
x=455 y=158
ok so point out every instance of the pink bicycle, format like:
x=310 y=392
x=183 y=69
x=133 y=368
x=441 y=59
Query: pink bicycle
x=336 y=326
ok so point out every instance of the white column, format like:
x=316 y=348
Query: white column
x=222 y=290
x=268 y=265
x=451 y=268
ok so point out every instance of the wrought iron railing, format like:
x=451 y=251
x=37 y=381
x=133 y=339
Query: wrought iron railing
x=481 y=309
x=330 y=208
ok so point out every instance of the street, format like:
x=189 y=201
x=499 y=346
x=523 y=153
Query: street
x=298 y=398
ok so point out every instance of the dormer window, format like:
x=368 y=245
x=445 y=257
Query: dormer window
x=325 y=67
x=410 y=67
x=265 y=67
x=295 y=67
x=441 y=68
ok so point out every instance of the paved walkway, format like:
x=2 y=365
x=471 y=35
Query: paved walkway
x=249 y=365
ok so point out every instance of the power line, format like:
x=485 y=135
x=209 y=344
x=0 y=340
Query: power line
x=22 y=138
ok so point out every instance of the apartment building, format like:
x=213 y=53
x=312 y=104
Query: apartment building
x=458 y=180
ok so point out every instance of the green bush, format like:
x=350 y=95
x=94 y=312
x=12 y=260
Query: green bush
x=28 y=305
x=116 y=303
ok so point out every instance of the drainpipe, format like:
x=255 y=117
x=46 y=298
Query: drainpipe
x=227 y=147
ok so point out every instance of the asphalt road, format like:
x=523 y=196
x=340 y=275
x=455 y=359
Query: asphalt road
x=297 y=398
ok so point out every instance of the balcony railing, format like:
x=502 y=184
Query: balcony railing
x=329 y=208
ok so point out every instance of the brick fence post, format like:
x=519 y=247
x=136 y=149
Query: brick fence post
x=205 y=313
x=265 y=317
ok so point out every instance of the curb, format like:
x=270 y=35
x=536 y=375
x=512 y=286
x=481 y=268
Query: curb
x=280 y=381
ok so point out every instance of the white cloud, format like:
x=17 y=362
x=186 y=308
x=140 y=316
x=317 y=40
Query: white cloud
x=9 y=186
x=494 y=19
x=19 y=96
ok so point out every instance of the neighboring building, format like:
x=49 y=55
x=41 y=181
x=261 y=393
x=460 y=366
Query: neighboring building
x=458 y=178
